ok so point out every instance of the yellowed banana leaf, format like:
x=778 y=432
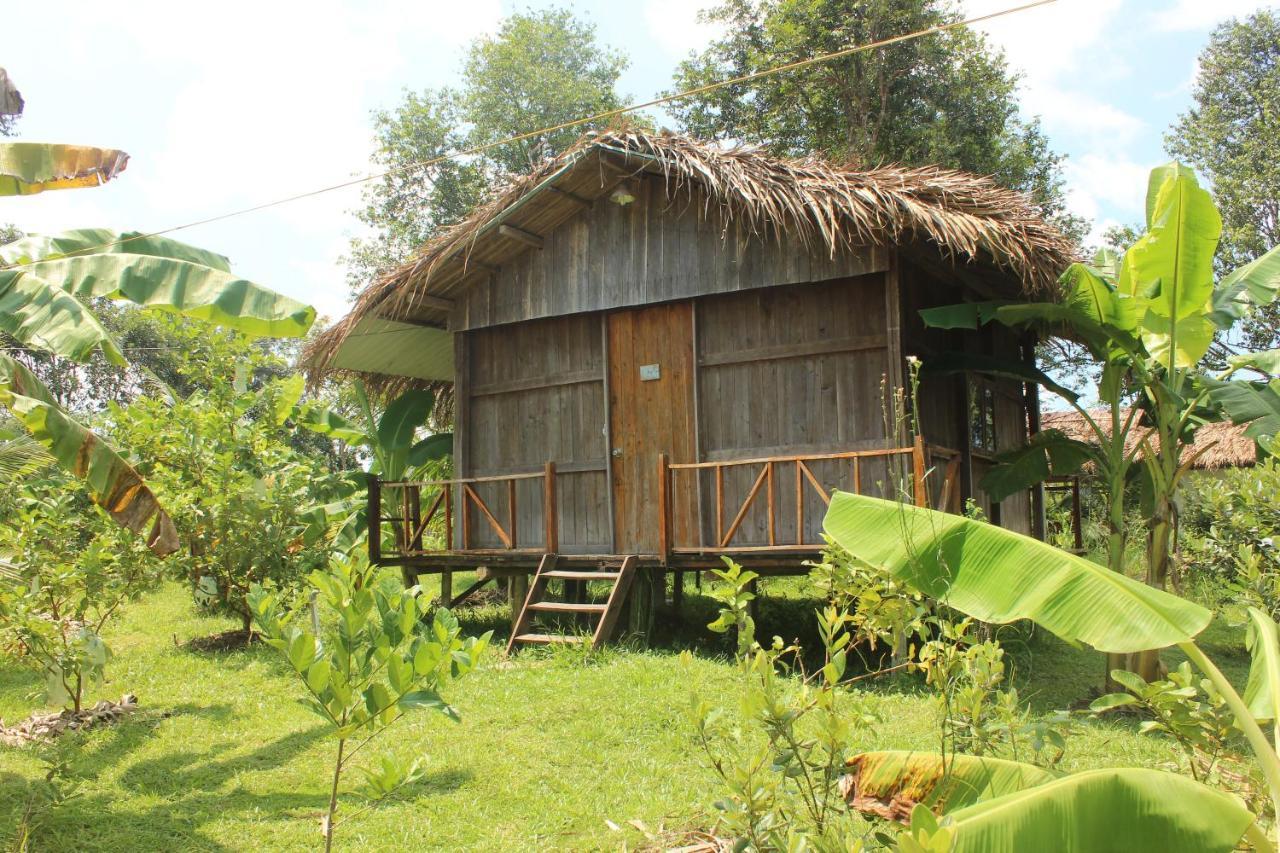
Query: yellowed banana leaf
x=112 y=481
x=27 y=168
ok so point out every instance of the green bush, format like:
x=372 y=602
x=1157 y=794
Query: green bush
x=1229 y=523
x=240 y=493
x=65 y=569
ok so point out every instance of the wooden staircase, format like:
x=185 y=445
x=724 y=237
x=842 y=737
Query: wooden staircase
x=619 y=572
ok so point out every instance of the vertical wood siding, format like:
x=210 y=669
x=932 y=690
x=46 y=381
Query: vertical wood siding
x=790 y=370
x=536 y=394
x=652 y=250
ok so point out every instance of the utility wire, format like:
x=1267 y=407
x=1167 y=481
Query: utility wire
x=664 y=99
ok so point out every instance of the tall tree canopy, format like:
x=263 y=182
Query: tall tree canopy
x=540 y=69
x=1232 y=136
x=946 y=99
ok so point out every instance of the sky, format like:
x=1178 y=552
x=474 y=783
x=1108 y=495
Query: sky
x=227 y=105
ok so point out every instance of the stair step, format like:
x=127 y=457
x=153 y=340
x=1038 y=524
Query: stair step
x=567 y=607
x=548 y=639
x=569 y=575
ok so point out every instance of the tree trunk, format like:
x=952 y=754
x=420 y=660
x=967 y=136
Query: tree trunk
x=1159 y=542
x=1115 y=561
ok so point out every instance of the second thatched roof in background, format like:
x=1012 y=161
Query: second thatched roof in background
x=1217 y=445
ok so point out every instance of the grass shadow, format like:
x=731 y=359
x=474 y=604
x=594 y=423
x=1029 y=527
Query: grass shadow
x=190 y=770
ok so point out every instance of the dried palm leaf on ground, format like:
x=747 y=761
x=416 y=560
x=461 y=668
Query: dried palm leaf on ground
x=39 y=727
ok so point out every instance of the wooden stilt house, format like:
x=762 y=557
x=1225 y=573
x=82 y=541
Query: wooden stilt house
x=667 y=351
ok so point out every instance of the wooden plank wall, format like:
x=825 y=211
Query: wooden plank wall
x=652 y=250
x=536 y=394
x=943 y=401
x=789 y=370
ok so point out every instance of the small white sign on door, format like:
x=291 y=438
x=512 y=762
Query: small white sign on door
x=649 y=372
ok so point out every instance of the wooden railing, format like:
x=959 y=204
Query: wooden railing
x=410 y=523
x=454 y=507
x=914 y=482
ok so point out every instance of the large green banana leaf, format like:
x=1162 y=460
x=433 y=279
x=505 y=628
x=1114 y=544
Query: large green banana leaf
x=1047 y=453
x=1262 y=691
x=889 y=784
x=1255 y=284
x=1121 y=809
x=40 y=315
x=191 y=289
x=102 y=241
x=329 y=423
x=402 y=417
x=112 y=482
x=1170 y=268
x=995 y=575
x=27 y=168
x=1254 y=403
x=990 y=365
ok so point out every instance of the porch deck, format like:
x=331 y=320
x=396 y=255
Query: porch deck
x=438 y=526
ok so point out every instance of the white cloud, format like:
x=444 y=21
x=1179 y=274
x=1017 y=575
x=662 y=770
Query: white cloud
x=228 y=105
x=1048 y=41
x=1190 y=15
x=1096 y=182
x=674 y=25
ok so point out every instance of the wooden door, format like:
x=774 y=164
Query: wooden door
x=650 y=412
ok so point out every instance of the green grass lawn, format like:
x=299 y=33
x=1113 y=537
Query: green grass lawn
x=551 y=745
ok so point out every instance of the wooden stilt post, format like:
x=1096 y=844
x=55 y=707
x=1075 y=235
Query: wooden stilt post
x=519 y=592
x=446 y=587
x=644 y=591
x=677 y=592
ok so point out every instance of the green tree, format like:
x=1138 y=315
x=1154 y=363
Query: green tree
x=1232 y=136
x=541 y=68
x=947 y=99
x=239 y=493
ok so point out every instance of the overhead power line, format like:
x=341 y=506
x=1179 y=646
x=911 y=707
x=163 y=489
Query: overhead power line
x=597 y=117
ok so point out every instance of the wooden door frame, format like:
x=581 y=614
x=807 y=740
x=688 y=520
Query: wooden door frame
x=692 y=302
x=608 y=431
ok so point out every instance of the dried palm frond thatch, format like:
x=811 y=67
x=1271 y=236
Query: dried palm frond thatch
x=1216 y=445
x=966 y=217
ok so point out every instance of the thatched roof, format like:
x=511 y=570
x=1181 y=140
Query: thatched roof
x=1217 y=445
x=965 y=217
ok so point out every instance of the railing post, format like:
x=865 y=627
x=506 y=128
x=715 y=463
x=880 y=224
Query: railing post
x=773 y=538
x=664 y=508
x=1076 y=532
x=918 y=468
x=719 y=504
x=511 y=510
x=448 y=516
x=549 y=517
x=373 y=516
x=415 y=513
x=799 y=505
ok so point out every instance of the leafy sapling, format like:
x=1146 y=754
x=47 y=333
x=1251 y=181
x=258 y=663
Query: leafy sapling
x=379 y=659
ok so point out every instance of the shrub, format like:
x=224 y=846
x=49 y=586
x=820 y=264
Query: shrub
x=238 y=491
x=1229 y=523
x=379 y=661
x=65 y=569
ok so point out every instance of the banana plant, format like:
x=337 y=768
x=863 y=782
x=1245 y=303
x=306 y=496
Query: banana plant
x=27 y=168
x=1149 y=317
x=998 y=576
x=389 y=439
x=995 y=804
x=31 y=167
x=46 y=283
